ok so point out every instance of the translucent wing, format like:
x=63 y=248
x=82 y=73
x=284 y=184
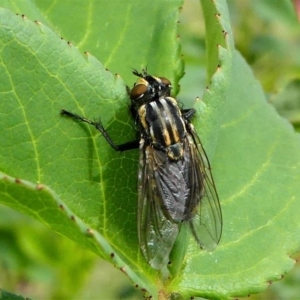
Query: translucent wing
x=175 y=191
x=206 y=223
x=157 y=233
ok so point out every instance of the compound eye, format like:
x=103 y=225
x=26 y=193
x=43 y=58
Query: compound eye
x=138 y=91
x=165 y=81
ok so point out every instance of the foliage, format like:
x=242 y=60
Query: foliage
x=66 y=176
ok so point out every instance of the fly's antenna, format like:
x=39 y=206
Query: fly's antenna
x=143 y=74
x=145 y=71
x=138 y=74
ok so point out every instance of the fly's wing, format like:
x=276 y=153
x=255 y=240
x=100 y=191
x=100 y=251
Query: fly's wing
x=206 y=224
x=157 y=233
x=173 y=185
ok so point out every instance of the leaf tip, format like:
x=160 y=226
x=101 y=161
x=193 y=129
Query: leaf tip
x=39 y=187
x=225 y=33
x=90 y=232
x=22 y=15
x=123 y=270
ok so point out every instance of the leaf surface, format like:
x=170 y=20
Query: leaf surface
x=65 y=175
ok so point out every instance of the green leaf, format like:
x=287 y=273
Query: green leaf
x=60 y=172
x=287 y=102
x=66 y=175
x=124 y=38
x=255 y=163
x=38 y=257
x=4 y=295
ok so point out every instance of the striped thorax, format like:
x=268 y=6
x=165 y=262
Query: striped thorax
x=159 y=115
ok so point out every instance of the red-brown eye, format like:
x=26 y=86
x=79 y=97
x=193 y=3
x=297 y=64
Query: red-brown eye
x=138 y=91
x=165 y=81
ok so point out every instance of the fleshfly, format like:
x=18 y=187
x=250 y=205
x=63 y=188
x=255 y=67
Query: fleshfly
x=175 y=184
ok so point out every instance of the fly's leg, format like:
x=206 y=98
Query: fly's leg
x=98 y=125
x=188 y=113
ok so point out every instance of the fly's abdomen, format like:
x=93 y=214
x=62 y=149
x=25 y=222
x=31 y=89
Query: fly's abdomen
x=165 y=126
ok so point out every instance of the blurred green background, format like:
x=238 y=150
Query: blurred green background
x=35 y=262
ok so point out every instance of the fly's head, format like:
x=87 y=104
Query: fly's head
x=148 y=88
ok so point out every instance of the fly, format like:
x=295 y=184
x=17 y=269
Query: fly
x=175 y=184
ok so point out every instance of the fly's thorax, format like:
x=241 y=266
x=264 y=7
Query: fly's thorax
x=143 y=117
x=162 y=121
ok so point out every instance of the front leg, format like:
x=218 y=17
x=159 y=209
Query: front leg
x=188 y=113
x=98 y=125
